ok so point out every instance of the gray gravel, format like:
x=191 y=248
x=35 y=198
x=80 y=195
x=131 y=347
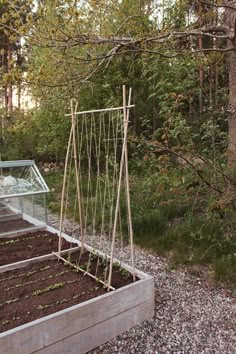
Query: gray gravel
x=190 y=316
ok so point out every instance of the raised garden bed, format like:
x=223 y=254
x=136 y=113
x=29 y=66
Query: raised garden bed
x=45 y=287
x=62 y=311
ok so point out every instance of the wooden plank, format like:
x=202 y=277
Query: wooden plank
x=100 y=333
x=53 y=328
x=101 y=110
x=21 y=232
x=15 y=234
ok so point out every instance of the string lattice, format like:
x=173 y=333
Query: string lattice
x=96 y=190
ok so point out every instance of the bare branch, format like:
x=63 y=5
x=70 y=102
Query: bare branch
x=219 y=50
x=191 y=165
x=124 y=41
x=223 y=5
x=125 y=21
x=216 y=28
x=203 y=32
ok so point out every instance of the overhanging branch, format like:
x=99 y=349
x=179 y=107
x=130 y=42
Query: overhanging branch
x=223 y=5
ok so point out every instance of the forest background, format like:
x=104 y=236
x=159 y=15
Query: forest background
x=179 y=58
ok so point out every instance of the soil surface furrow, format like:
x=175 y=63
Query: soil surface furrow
x=43 y=288
x=33 y=245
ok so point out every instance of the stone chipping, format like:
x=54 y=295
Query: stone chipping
x=190 y=315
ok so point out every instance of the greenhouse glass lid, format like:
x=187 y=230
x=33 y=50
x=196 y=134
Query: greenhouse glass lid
x=20 y=177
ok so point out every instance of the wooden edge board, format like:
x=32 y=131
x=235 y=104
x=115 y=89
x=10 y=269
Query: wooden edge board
x=97 y=301
x=47 y=330
x=100 y=333
x=12 y=234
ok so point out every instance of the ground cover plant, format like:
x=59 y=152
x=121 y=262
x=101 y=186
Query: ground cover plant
x=50 y=286
x=176 y=214
x=183 y=219
x=30 y=245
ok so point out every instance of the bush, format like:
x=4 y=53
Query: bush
x=38 y=134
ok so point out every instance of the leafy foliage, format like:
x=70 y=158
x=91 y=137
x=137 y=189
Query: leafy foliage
x=183 y=196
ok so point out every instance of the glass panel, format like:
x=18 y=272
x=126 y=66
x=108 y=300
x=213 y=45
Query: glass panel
x=19 y=178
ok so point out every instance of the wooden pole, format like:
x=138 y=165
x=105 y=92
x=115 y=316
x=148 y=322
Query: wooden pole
x=100 y=110
x=77 y=173
x=82 y=270
x=119 y=189
x=0 y=161
x=63 y=192
x=126 y=122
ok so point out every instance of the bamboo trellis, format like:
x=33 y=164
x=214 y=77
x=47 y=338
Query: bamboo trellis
x=97 y=164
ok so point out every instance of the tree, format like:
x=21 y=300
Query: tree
x=73 y=42
x=12 y=18
x=231 y=23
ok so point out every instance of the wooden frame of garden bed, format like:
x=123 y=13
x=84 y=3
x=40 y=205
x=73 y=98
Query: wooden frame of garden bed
x=82 y=327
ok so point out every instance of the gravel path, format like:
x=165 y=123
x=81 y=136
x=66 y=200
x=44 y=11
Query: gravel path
x=190 y=317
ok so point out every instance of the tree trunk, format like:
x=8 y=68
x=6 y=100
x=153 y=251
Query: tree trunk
x=216 y=86
x=10 y=93
x=231 y=17
x=201 y=70
x=19 y=95
x=232 y=111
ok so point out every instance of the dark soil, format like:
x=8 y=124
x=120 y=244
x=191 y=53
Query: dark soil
x=14 y=225
x=99 y=267
x=6 y=211
x=47 y=287
x=28 y=246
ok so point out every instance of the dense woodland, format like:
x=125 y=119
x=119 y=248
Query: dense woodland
x=179 y=57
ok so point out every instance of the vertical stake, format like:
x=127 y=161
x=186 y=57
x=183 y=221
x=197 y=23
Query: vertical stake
x=119 y=188
x=63 y=192
x=77 y=173
x=128 y=190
